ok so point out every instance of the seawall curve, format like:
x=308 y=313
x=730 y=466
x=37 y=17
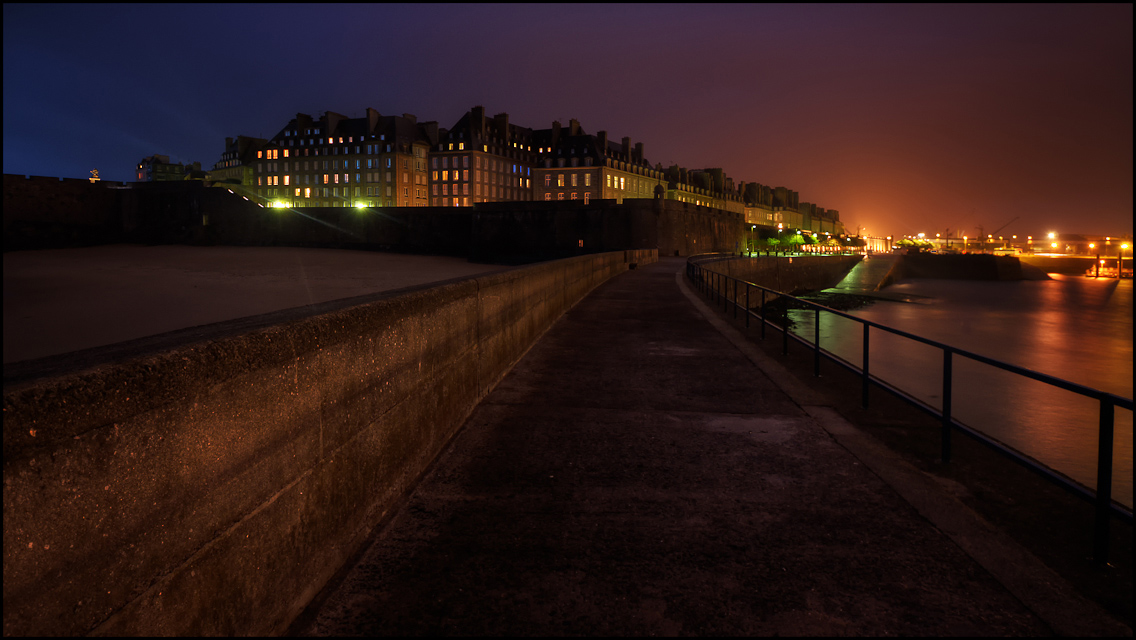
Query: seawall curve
x=214 y=488
x=786 y=274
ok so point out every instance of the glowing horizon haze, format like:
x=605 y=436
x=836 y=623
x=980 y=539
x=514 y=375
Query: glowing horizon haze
x=905 y=118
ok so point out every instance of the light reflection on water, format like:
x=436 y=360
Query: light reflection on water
x=1075 y=328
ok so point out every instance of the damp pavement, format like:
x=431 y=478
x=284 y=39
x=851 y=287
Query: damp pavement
x=642 y=472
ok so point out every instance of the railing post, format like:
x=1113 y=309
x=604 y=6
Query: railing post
x=816 y=343
x=946 y=449
x=785 y=330
x=1104 y=484
x=763 y=314
x=747 y=305
x=864 y=363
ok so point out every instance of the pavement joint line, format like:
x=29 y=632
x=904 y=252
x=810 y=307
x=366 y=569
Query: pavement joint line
x=1035 y=585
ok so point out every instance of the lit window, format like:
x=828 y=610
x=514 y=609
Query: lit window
x=307 y=193
x=258 y=153
x=609 y=179
x=587 y=179
x=297 y=192
x=621 y=184
x=285 y=153
x=451 y=146
x=445 y=175
x=560 y=180
x=286 y=180
x=573 y=179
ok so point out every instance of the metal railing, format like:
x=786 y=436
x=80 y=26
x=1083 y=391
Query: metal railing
x=716 y=286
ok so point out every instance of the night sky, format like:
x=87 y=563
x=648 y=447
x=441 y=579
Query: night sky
x=906 y=119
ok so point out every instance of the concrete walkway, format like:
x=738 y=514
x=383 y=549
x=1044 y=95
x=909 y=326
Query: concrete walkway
x=638 y=474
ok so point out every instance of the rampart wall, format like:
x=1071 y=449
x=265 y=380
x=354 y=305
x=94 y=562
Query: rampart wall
x=59 y=211
x=49 y=213
x=791 y=275
x=212 y=488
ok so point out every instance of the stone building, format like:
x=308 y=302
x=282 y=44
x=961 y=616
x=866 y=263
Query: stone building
x=336 y=161
x=573 y=165
x=236 y=164
x=158 y=168
x=481 y=160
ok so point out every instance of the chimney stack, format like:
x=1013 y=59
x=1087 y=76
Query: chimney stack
x=639 y=151
x=574 y=127
x=602 y=135
x=626 y=148
x=501 y=123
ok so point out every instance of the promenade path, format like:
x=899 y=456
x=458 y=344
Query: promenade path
x=640 y=472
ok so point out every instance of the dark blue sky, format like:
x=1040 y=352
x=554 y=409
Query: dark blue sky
x=907 y=119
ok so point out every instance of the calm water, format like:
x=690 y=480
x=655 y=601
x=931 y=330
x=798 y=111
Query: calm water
x=1075 y=328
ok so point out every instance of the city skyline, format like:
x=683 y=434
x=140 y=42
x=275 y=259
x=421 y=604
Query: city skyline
x=905 y=119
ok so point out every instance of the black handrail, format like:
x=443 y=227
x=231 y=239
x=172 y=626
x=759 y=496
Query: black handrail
x=717 y=284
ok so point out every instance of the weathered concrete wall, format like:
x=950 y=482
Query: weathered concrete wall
x=213 y=488
x=785 y=274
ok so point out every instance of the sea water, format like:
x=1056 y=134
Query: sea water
x=1070 y=327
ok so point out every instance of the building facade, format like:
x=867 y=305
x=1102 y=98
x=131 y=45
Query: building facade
x=573 y=165
x=158 y=168
x=481 y=159
x=395 y=161
x=235 y=167
x=336 y=161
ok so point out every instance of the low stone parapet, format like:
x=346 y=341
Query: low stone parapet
x=213 y=488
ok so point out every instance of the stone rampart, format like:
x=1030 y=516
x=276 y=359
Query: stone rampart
x=969 y=266
x=213 y=488
x=791 y=275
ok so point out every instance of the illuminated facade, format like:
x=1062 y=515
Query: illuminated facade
x=481 y=160
x=704 y=187
x=573 y=165
x=336 y=161
x=236 y=164
x=395 y=161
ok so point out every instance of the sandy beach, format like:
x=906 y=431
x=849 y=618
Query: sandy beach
x=59 y=301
